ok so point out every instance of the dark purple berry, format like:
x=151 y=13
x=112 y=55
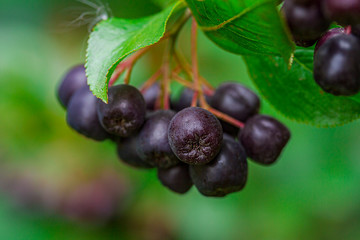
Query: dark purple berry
x=125 y=112
x=126 y=150
x=264 y=138
x=82 y=116
x=176 y=178
x=151 y=95
x=74 y=80
x=195 y=136
x=344 y=12
x=153 y=144
x=236 y=101
x=305 y=20
x=336 y=65
x=185 y=100
x=329 y=34
x=227 y=173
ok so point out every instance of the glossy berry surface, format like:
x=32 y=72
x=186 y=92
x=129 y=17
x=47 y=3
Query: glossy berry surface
x=344 y=12
x=74 y=80
x=305 y=20
x=264 y=138
x=236 y=101
x=195 y=135
x=151 y=95
x=336 y=65
x=329 y=34
x=227 y=173
x=125 y=112
x=127 y=153
x=153 y=144
x=82 y=116
x=176 y=178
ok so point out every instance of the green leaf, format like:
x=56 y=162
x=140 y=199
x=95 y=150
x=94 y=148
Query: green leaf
x=295 y=93
x=244 y=27
x=114 y=39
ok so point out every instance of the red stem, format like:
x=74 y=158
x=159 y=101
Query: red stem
x=348 y=30
x=195 y=64
x=151 y=81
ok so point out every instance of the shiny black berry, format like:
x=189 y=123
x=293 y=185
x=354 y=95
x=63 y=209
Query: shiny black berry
x=264 y=138
x=344 y=12
x=152 y=142
x=329 y=34
x=195 y=136
x=176 y=178
x=227 y=173
x=125 y=112
x=305 y=20
x=74 y=80
x=151 y=95
x=236 y=101
x=336 y=65
x=127 y=152
x=82 y=116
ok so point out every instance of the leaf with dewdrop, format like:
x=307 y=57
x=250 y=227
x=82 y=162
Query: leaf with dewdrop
x=114 y=39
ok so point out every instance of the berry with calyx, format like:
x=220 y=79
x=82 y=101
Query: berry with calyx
x=195 y=136
x=151 y=95
x=236 y=101
x=176 y=178
x=329 y=34
x=336 y=65
x=226 y=174
x=344 y=12
x=125 y=112
x=82 y=116
x=153 y=144
x=306 y=21
x=264 y=138
x=127 y=153
x=74 y=80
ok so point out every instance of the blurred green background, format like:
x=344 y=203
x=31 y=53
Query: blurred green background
x=313 y=192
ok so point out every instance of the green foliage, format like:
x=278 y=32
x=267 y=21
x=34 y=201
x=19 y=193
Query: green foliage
x=294 y=91
x=114 y=39
x=253 y=28
x=244 y=27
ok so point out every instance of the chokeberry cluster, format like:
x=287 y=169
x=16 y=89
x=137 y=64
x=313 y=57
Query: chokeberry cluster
x=189 y=145
x=337 y=52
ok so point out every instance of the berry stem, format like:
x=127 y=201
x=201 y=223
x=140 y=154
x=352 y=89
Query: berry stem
x=348 y=30
x=195 y=63
x=128 y=74
x=165 y=86
x=151 y=81
x=180 y=59
x=127 y=64
x=183 y=82
x=219 y=114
